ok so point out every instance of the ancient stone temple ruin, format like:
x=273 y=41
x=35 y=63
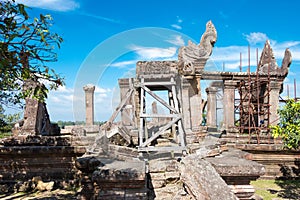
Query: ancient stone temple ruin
x=164 y=142
x=250 y=99
x=180 y=80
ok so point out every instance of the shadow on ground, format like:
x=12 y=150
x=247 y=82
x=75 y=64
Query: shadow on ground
x=290 y=181
x=53 y=195
x=290 y=189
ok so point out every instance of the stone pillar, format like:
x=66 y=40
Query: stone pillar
x=228 y=104
x=274 y=101
x=89 y=104
x=154 y=111
x=211 y=115
x=196 y=111
x=196 y=104
x=36 y=117
x=185 y=104
x=126 y=112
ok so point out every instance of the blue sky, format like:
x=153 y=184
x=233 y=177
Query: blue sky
x=104 y=39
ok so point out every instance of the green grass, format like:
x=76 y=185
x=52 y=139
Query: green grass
x=3 y=135
x=279 y=189
x=262 y=188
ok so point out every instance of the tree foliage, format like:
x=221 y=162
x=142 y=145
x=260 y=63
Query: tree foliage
x=289 y=126
x=26 y=45
x=7 y=121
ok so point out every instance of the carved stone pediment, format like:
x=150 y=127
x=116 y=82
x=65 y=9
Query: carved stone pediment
x=267 y=63
x=286 y=62
x=194 y=56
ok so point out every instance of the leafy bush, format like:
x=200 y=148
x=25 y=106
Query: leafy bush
x=289 y=126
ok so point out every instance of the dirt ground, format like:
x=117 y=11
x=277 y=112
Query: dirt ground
x=47 y=195
x=267 y=189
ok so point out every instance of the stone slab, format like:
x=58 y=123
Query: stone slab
x=120 y=174
x=202 y=180
x=232 y=164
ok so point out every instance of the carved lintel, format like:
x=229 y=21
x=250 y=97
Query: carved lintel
x=156 y=67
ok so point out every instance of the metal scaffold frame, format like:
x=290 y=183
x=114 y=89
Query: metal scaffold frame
x=253 y=104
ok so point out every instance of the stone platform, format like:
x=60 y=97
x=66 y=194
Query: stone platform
x=210 y=171
x=278 y=162
x=237 y=171
x=106 y=178
x=50 y=157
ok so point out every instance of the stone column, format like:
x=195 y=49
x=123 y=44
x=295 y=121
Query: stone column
x=154 y=111
x=196 y=111
x=211 y=115
x=196 y=106
x=89 y=104
x=274 y=101
x=228 y=103
x=185 y=104
x=126 y=112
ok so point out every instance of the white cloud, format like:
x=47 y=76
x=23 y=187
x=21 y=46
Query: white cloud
x=294 y=47
x=178 y=23
x=60 y=103
x=179 y=20
x=230 y=55
x=62 y=96
x=154 y=52
x=288 y=44
x=176 y=26
x=99 y=90
x=123 y=64
x=176 y=40
x=256 y=37
x=232 y=65
x=58 y=5
x=101 y=18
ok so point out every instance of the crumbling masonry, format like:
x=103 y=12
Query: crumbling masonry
x=250 y=99
x=173 y=124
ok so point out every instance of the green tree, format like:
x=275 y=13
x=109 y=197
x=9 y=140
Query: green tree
x=7 y=121
x=26 y=45
x=289 y=126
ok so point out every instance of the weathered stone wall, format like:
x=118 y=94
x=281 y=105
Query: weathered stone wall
x=279 y=162
x=108 y=178
x=51 y=158
x=123 y=172
x=164 y=179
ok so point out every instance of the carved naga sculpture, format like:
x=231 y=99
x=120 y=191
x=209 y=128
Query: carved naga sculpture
x=194 y=54
x=209 y=38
